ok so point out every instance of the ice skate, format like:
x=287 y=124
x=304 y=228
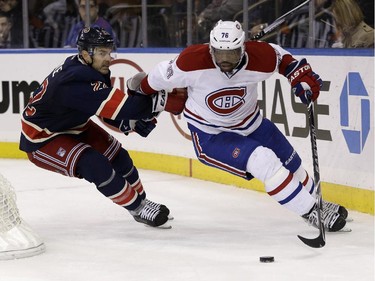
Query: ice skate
x=336 y=208
x=161 y=207
x=332 y=221
x=157 y=206
x=150 y=216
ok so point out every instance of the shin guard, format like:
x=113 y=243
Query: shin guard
x=306 y=180
x=279 y=182
x=96 y=168
x=123 y=165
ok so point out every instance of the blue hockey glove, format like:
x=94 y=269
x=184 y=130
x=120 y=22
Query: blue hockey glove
x=141 y=127
x=144 y=128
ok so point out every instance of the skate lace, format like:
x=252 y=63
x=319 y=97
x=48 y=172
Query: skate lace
x=329 y=218
x=329 y=206
x=152 y=204
x=148 y=213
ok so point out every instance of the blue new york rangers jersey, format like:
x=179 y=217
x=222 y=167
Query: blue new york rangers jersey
x=68 y=97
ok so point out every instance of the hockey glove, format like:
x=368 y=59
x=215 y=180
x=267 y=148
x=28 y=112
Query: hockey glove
x=133 y=83
x=141 y=127
x=173 y=102
x=159 y=101
x=305 y=83
x=144 y=128
x=176 y=101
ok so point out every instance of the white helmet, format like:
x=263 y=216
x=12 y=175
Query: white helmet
x=227 y=35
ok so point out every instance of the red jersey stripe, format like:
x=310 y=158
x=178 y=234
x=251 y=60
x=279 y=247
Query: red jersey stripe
x=113 y=104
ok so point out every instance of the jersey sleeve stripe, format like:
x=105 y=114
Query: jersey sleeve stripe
x=111 y=106
x=146 y=88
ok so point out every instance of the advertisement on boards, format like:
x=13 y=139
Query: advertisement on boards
x=344 y=110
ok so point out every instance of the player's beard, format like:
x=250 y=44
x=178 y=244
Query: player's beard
x=226 y=60
x=104 y=69
x=226 y=66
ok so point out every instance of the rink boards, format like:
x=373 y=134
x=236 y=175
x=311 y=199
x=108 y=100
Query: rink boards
x=345 y=118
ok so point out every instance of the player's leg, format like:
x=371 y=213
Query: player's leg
x=96 y=168
x=270 y=136
x=285 y=188
x=123 y=165
x=246 y=156
x=78 y=159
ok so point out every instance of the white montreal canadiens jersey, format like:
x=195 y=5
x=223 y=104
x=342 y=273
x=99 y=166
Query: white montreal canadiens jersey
x=216 y=101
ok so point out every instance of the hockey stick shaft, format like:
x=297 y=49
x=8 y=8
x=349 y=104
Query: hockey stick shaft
x=278 y=21
x=320 y=241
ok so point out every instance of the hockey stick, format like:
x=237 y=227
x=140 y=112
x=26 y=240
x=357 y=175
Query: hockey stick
x=319 y=241
x=278 y=21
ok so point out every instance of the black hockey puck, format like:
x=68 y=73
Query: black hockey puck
x=267 y=259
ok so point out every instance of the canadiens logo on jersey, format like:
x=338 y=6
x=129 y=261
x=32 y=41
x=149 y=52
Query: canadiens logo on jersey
x=226 y=101
x=236 y=152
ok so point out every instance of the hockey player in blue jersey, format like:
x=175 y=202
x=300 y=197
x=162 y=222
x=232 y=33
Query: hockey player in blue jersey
x=227 y=128
x=58 y=134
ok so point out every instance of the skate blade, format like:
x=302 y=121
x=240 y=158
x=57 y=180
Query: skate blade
x=345 y=229
x=342 y=230
x=349 y=219
x=163 y=226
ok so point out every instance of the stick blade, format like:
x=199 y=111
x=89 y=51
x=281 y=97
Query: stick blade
x=317 y=242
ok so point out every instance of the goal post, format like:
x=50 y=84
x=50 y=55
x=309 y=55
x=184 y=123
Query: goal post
x=17 y=238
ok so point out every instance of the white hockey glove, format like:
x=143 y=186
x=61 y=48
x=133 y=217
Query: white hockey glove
x=159 y=101
x=133 y=83
x=173 y=102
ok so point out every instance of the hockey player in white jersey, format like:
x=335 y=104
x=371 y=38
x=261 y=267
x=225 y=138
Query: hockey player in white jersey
x=223 y=115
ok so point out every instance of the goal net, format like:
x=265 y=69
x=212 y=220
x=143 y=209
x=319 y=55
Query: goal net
x=17 y=239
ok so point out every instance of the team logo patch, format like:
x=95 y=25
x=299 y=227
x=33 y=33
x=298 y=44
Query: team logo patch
x=236 y=152
x=98 y=85
x=226 y=101
x=61 y=152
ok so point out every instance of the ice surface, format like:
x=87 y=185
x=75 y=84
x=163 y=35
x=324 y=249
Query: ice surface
x=219 y=233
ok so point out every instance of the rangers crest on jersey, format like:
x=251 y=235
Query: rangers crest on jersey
x=226 y=101
x=98 y=85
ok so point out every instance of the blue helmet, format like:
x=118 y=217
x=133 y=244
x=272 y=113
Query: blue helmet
x=91 y=37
